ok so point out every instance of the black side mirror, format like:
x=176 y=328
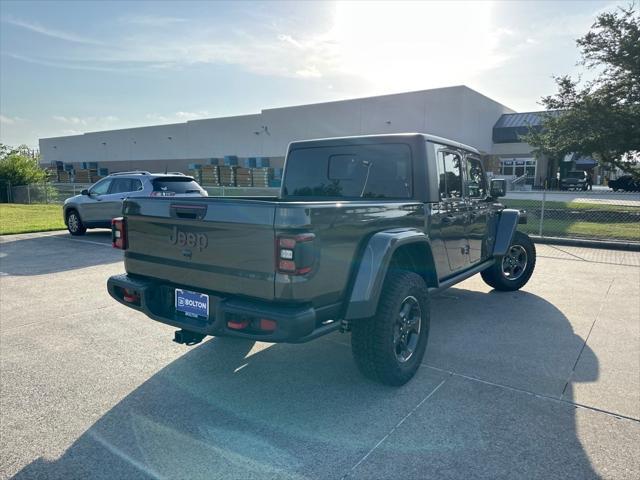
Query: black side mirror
x=85 y=192
x=498 y=187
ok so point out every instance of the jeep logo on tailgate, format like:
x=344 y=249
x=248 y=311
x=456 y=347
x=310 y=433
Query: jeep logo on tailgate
x=182 y=239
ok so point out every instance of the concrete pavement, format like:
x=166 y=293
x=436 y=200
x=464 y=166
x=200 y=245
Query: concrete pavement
x=542 y=383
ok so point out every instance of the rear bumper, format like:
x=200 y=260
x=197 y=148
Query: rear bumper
x=295 y=324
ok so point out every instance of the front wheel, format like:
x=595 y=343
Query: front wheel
x=389 y=347
x=74 y=224
x=514 y=270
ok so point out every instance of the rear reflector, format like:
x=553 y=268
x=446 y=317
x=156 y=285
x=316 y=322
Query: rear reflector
x=267 y=325
x=239 y=325
x=130 y=296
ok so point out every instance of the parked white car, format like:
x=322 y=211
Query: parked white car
x=97 y=205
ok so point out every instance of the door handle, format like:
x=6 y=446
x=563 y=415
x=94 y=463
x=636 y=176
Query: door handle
x=196 y=212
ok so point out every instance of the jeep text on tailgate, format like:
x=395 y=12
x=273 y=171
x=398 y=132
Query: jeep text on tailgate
x=364 y=229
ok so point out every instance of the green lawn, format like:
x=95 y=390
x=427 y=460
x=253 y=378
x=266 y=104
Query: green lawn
x=528 y=204
x=602 y=222
x=15 y=218
x=624 y=231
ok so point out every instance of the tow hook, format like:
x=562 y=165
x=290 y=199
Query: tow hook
x=187 y=337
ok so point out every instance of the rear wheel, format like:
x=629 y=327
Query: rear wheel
x=74 y=223
x=389 y=347
x=514 y=270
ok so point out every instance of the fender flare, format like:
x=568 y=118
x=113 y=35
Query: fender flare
x=373 y=267
x=506 y=228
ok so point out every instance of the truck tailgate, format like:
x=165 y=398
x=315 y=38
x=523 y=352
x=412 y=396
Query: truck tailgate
x=220 y=245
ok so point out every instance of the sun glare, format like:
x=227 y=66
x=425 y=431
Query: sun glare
x=407 y=45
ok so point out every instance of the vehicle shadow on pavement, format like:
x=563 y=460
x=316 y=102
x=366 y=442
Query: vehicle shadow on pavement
x=234 y=409
x=57 y=252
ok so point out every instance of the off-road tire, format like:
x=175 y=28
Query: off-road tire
x=74 y=223
x=495 y=276
x=372 y=339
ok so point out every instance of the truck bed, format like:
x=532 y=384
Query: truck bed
x=228 y=245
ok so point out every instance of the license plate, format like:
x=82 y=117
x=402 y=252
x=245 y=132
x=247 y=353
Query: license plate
x=193 y=304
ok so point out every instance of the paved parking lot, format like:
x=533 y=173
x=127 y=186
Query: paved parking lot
x=542 y=383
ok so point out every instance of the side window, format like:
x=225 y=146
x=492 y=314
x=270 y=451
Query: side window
x=475 y=178
x=125 y=185
x=120 y=185
x=101 y=188
x=450 y=175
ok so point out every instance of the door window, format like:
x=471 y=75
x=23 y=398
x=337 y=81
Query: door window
x=101 y=188
x=476 y=187
x=124 y=185
x=450 y=174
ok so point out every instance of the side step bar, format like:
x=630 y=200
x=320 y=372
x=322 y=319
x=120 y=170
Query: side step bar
x=462 y=276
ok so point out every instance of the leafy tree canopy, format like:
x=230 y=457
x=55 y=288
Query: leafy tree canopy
x=600 y=117
x=19 y=167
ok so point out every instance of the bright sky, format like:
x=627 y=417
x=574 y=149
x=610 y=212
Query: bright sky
x=73 y=67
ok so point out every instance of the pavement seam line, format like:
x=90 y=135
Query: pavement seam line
x=81 y=241
x=534 y=394
x=588 y=261
x=515 y=389
x=395 y=428
x=30 y=324
x=569 y=253
x=584 y=344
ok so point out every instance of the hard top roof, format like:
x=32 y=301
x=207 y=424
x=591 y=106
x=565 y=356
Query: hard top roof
x=380 y=138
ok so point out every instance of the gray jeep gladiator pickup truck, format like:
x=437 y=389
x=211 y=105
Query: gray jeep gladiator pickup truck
x=364 y=229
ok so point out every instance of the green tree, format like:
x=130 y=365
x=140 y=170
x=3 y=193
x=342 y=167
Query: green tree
x=19 y=167
x=600 y=117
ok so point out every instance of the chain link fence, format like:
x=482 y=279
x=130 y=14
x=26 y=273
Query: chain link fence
x=43 y=192
x=588 y=215
x=59 y=192
x=596 y=215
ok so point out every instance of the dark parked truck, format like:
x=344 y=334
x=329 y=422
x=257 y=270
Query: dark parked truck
x=364 y=229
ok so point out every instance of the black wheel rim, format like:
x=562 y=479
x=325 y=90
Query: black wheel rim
x=73 y=222
x=514 y=262
x=406 y=332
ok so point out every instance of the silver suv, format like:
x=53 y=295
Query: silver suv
x=96 y=206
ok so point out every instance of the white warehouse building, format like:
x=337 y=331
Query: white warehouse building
x=458 y=113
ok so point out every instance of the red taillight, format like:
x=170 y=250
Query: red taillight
x=119 y=233
x=250 y=324
x=268 y=325
x=238 y=324
x=295 y=254
x=130 y=296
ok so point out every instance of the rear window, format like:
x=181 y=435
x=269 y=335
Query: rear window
x=360 y=171
x=176 y=185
